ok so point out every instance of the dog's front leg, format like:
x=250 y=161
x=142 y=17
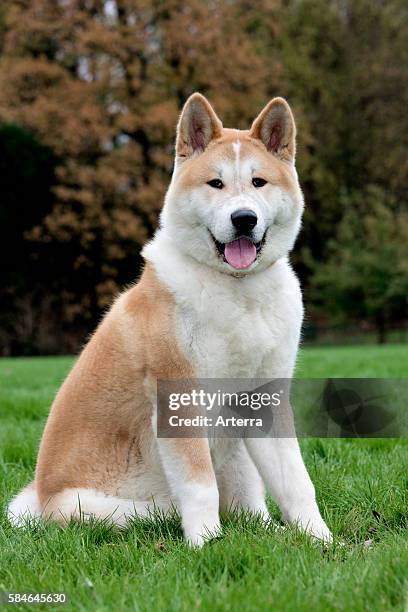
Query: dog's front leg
x=189 y=470
x=281 y=466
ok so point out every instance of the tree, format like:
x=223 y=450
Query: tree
x=27 y=175
x=101 y=83
x=366 y=274
x=345 y=67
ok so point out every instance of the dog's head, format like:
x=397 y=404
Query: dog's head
x=234 y=202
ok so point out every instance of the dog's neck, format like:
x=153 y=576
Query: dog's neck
x=187 y=277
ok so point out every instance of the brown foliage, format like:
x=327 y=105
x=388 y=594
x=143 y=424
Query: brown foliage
x=103 y=89
x=101 y=82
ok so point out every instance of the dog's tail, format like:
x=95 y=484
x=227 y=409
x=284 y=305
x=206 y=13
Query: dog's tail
x=79 y=504
x=24 y=507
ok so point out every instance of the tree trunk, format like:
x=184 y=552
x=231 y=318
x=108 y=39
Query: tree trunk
x=381 y=328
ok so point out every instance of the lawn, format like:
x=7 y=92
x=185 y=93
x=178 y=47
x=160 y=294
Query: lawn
x=362 y=486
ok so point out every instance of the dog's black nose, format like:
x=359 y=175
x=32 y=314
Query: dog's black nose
x=244 y=220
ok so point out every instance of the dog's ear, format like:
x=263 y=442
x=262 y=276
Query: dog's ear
x=275 y=127
x=198 y=125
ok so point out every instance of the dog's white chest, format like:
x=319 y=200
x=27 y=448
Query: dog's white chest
x=232 y=327
x=226 y=340
x=238 y=330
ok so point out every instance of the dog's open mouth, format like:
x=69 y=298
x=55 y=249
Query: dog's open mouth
x=239 y=253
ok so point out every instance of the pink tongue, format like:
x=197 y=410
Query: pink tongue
x=240 y=253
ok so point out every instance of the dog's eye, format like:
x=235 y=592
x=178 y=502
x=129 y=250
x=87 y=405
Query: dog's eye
x=216 y=183
x=258 y=182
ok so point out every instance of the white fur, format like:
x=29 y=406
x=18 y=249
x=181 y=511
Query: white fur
x=237 y=149
x=239 y=482
x=189 y=217
x=197 y=502
x=79 y=504
x=238 y=325
x=199 y=511
x=89 y=503
x=25 y=507
x=281 y=466
x=247 y=327
x=229 y=327
x=230 y=324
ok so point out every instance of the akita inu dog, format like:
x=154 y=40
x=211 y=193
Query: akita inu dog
x=217 y=298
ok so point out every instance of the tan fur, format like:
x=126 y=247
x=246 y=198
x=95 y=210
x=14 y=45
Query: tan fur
x=196 y=453
x=99 y=455
x=198 y=170
x=99 y=426
x=275 y=127
x=198 y=125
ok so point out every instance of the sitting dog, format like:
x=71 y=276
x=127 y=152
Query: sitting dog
x=217 y=298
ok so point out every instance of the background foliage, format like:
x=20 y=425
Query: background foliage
x=90 y=92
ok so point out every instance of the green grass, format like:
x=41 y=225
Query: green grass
x=362 y=488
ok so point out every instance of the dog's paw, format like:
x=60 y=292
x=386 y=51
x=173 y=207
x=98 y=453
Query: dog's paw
x=197 y=534
x=319 y=531
x=308 y=519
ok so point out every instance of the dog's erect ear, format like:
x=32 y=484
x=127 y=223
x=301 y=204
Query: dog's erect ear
x=276 y=128
x=198 y=125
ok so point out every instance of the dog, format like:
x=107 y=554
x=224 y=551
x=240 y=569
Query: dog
x=217 y=298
